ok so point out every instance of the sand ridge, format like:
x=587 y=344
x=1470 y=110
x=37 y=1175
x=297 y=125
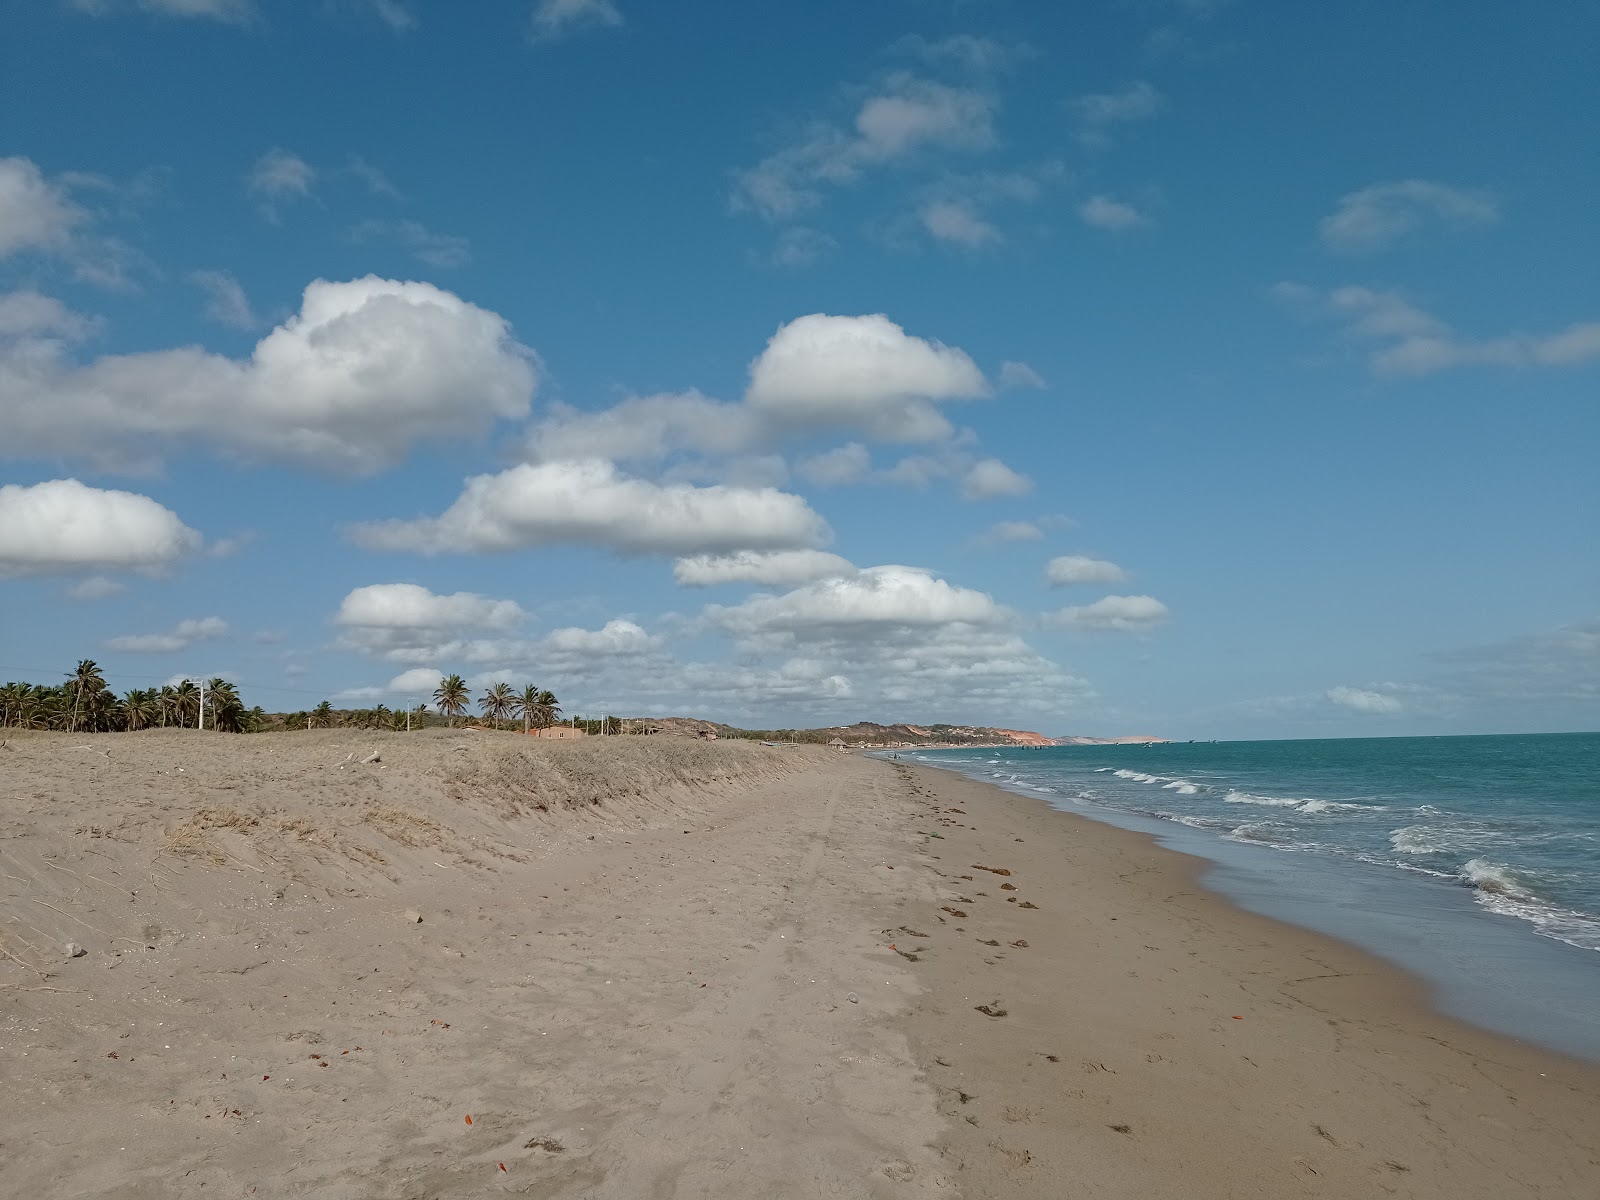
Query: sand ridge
x=648 y=996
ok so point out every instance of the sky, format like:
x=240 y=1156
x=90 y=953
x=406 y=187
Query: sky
x=1195 y=368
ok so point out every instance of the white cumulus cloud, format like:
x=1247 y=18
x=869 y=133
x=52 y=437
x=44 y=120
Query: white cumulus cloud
x=989 y=478
x=96 y=587
x=63 y=526
x=35 y=214
x=1123 y=614
x=1078 y=568
x=865 y=372
x=1378 y=216
x=1020 y=375
x=366 y=369
x=589 y=502
x=1363 y=701
x=849 y=463
x=872 y=598
x=405 y=622
x=782 y=568
x=186 y=634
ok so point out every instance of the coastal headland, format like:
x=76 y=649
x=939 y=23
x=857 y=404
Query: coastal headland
x=450 y=964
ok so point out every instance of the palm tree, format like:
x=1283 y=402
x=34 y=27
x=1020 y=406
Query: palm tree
x=141 y=708
x=452 y=696
x=86 y=682
x=227 y=710
x=186 y=702
x=526 y=706
x=549 y=710
x=322 y=715
x=497 y=703
x=13 y=702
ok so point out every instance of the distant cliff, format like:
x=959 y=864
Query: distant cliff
x=1135 y=739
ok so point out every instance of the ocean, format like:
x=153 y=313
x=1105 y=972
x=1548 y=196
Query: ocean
x=1472 y=861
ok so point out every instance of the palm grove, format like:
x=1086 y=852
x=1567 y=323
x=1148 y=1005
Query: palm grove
x=84 y=703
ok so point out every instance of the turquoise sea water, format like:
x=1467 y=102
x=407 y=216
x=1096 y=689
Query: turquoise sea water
x=1473 y=860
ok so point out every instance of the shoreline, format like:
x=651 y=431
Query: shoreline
x=1475 y=963
x=1202 y=1049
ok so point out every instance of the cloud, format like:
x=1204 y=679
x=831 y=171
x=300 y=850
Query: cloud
x=849 y=463
x=396 y=15
x=1012 y=531
x=903 y=117
x=864 y=372
x=589 y=502
x=1362 y=701
x=27 y=313
x=280 y=177
x=1123 y=614
x=554 y=19
x=226 y=302
x=418 y=681
x=1414 y=342
x=1020 y=375
x=35 y=214
x=234 y=12
x=979 y=55
x=366 y=369
x=955 y=222
x=1099 y=113
x=63 y=527
x=783 y=568
x=1551 y=667
x=799 y=246
x=616 y=639
x=1103 y=212
x=185 y=635
x=404 y=622
x=817 y=373
x=887 y=635
x=1378 y=216
x=872 y=598
x=1076 y=568
x=442 y=250
x=989 y=478
x=96 y=587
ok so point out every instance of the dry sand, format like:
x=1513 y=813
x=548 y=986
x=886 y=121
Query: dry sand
x=655 y=967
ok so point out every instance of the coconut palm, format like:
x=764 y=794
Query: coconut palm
x=141 y=708
x=86 y=681
x=497 y=703
x=13 y=702
x=452 y=696
x=526 y=706
x=186 y=702
x=227 y=710
x=549 y=710
x=322 y=716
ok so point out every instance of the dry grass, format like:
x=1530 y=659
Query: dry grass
x=189 y=838
x=404 y=826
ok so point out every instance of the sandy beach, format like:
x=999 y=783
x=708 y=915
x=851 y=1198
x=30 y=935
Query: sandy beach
x=659 y=967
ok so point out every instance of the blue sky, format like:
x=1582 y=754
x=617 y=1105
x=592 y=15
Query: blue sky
x=1188 y=367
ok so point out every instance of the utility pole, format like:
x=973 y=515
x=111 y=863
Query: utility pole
x=202 y=725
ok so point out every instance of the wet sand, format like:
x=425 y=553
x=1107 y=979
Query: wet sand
x=648 y=968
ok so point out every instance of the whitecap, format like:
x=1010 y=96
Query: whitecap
x=1338 y=806
x=1493 y=879
x=1182 y=786
x=1237 y=797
